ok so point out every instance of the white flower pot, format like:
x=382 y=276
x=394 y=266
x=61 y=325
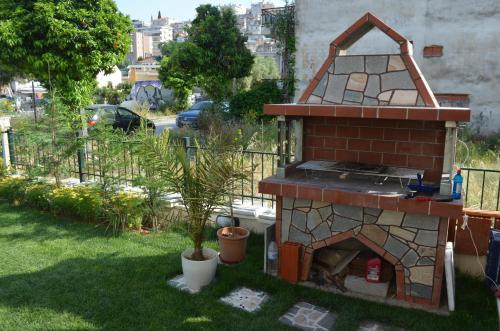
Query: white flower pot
x=199 y=273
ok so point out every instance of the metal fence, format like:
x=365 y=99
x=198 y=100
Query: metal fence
x=481 y=186
x=27 y=157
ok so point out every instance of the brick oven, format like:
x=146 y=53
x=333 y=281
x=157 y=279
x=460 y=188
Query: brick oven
x=360 y=133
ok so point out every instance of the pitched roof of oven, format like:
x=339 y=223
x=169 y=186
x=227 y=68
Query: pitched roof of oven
x=371 y=80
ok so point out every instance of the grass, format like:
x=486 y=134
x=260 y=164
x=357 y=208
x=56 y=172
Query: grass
x=58 y=274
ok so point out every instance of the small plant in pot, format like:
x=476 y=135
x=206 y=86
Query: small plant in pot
x=232 y=239
x=202 y=176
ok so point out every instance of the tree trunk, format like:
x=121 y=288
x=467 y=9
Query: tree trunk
x=198 y=254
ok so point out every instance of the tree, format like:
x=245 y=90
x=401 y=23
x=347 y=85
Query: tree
x=220 y=51
x=63 y=43
x=263 y=68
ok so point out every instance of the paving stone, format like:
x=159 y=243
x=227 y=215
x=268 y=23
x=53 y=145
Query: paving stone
x=420 y=221
x=376 y=326
x=410 y=258
x=369 y=219
x=314 y=99
x=325 y=212
x=396 y=80
x=421 y=291
x=357 y=82
x=353 y=96
x=299 y=220
x=385 y=96
x=404 y=98
x=390 y=217
x=348 y=211
x=246 y=299
x=301 y=203
x=367 y=101
x=396 y=63
x=321 y=87
x=322 y=232
x=313 y=219
x=402 y=233
x=335 y=88
x=395 y=247
x=422 y=274
x=343 y=224
x=286 y=220
x=426 y=238
x=349 y=64
x=426 y=251
x=298 y=236
x=425 y=261
x=179 y=283
x=305 y=316
x=376 y=64
x=375 y=234
x=373 y=86
x=288 y=203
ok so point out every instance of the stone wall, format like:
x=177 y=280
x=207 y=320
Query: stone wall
x=467 y=30
x=408 y=241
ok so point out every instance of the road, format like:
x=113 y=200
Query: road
x=164 y=122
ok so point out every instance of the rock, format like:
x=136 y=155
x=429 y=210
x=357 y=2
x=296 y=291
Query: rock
x=422 y=275
x=357 y=82
x=301 y=203
x=373 y=211
x=410 y=258
x=313 y=219
x=299 y=220
x=286 y=219
x=395 y=247
x=421 y=291
x=288 y=203
x=402 y=233
x=325 y=212
x=321 y=87
x=298 y=236
x=349 y=64
x=404 y=98
x=322 y=232
x=353 y=96
x=426 y=251
x=369 y=219
x=373 y=86
x=385 y=96
x=390 y=217
x=370 y=101
x=335 y=88
x=375 y=234
x=343 y=224
x=348 y=211
x=420 y=221
x=426 y=238
x=320 y=204
x=376 y=64
x=397 y=80
x=425 y=261
x=396 y=63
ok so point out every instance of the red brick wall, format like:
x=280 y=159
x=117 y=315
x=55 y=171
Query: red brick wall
x=412 y=144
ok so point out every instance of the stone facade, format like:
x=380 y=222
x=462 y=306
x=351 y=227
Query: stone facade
x=408 y=241
x=372 y=80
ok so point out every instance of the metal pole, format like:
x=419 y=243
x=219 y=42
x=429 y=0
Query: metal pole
x=34 y=98
x=10 y=135
x=81 y=159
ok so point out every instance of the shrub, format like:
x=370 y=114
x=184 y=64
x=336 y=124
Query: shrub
x=250 y=103
x=85 y=202
x=125 y=211
x=37 y=195
x=13 y=189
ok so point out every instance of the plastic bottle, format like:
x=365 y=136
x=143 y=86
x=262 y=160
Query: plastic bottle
x=457 y=185
x=272 y=258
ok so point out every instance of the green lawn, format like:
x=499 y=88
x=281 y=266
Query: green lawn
x=58 y=274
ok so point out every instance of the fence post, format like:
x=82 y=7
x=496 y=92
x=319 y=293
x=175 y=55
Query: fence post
x=5 y=126
x=187 y=146
x=81 y=158
x=10 y=136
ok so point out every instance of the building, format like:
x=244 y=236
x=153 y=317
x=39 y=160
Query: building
x=453 y=41
x=148 y=37
x=141 y=47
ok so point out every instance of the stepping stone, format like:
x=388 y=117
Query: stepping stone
x=179 y=283
x=375 y=326
x=246 y=299
x=308 y=317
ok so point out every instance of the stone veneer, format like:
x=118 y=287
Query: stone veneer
x=408 y=241
x=373 y=80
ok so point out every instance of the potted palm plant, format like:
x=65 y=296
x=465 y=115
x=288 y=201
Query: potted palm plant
x=203 y=179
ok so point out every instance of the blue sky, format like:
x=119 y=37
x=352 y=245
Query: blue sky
x=179 y=9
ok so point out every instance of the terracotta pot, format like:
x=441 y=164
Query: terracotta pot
x=232 y=247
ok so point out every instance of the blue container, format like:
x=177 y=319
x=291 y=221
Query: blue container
x=493 y=259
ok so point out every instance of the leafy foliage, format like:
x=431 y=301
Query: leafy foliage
x=125 y=211
x=250 y=103
x=213 y=55
x=110 y=95
x=264 y=68
x=85 y=202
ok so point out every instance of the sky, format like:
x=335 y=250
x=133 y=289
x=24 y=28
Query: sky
x=178 y=9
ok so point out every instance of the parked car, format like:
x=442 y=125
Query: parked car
x=191 y=116
x=116 y=116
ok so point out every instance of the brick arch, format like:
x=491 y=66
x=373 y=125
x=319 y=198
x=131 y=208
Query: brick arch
x=308 y=252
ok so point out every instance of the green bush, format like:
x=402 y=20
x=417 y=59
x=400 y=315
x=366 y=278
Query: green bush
x=125 y=211
x=250 y=103
x=13 y=189
x=85 y=202
x=37 y=195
